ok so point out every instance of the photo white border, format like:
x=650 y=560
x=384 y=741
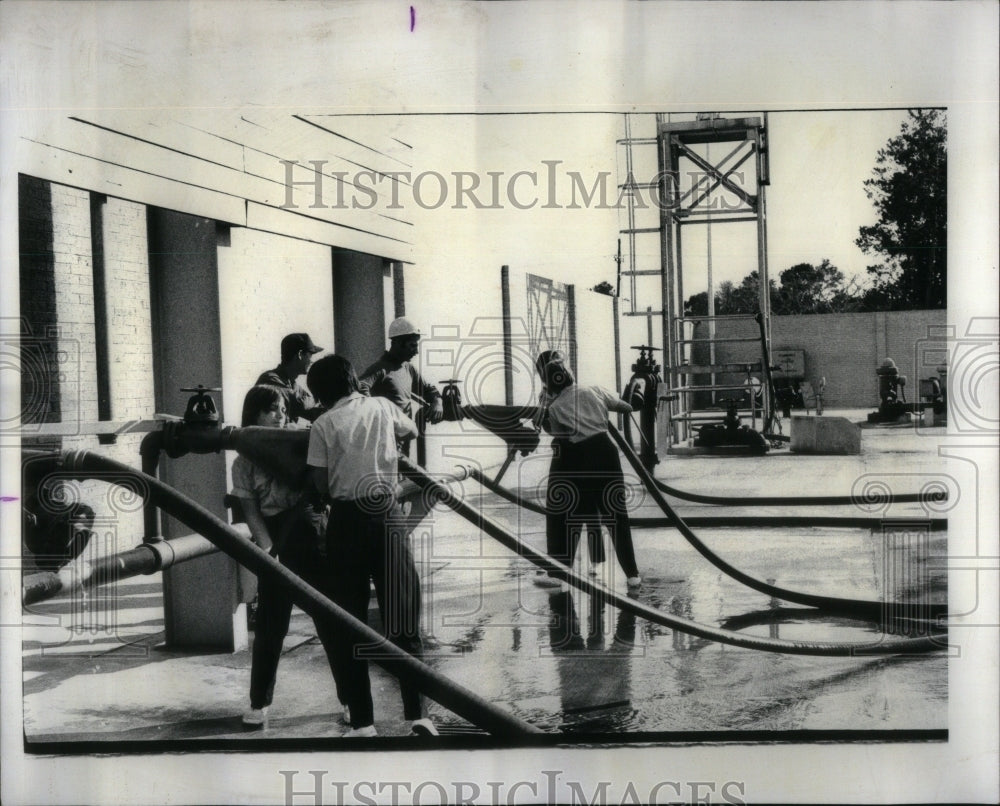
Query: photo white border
x=524 y=57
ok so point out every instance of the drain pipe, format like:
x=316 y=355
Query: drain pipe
x=146 y=558
x=401 y=664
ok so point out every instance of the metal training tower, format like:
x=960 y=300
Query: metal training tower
x=709 y=172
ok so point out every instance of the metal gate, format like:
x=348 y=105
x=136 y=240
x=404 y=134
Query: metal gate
x=551 y=317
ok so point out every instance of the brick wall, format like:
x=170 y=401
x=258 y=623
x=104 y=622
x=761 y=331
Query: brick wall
x=59 y=317
x=74 y=284
x=126 y=256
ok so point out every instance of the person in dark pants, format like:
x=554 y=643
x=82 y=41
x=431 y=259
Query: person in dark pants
x=352 y=459
x=297 y=351
x=586 y=484
x=283 y=522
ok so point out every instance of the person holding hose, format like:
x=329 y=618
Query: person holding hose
x=393 y=376
x=586 y=484
x=352 y=459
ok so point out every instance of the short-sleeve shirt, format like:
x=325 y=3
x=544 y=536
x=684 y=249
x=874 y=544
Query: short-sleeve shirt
x=397 y=381
x=356 y=442
x=579 y=412
x=272 y=496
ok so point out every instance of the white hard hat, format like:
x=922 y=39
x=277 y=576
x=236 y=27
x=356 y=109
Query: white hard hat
x=402 y=327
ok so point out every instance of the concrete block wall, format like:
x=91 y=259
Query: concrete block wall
x=845 y=348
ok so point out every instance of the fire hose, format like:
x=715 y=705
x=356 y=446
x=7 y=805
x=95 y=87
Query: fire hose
x=470 y=706
x=861 y=607
x=935 y=524
x=444 y=495
x=932 y=497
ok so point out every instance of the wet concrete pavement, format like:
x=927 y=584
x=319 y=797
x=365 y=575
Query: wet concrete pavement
x=96 y=669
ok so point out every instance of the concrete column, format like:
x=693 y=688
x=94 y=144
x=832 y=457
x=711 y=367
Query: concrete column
x=200 y=598
x=358 y=325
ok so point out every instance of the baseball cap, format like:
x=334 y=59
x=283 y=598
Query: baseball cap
x=294 y=342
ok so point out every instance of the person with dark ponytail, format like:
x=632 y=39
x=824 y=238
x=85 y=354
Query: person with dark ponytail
x=586 y=485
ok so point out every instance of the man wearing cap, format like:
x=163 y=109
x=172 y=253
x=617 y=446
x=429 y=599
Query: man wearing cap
x=394 y=377
x=297 y=351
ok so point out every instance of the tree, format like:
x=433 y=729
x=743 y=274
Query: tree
x=806 y=288
x=745 y=297
x=697 y=304
x=909 y=190
x=731 y=299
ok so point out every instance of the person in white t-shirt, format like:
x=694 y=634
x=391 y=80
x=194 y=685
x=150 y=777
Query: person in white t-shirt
x=352 y=460
x=586 y=484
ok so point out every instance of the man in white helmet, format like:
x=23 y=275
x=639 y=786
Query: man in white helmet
x=394 y=377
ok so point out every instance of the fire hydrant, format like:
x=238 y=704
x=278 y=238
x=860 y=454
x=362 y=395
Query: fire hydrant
x=891 y=392
x=935 y=395
x=640 y=393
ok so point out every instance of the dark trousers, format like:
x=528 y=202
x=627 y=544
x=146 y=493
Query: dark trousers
x=297 y=548
x=369 y=543
x=586 y=491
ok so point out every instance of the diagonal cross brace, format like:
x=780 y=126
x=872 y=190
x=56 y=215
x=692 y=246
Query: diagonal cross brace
x=747 y=198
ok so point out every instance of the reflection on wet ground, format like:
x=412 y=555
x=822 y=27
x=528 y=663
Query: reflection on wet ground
x=571 y=663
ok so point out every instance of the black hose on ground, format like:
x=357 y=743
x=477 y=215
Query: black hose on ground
x=935 y=497
x=470 y=706
x=934 y=524
x=861 y=607
x=893 y=646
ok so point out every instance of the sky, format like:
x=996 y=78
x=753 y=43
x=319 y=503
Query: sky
x=815 y=202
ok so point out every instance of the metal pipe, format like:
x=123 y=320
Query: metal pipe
x=508 y=338
x=149 y=452
x=147 y=558
x=396 y=661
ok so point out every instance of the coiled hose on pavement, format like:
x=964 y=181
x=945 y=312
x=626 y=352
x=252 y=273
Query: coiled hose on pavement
x=860 y=607
x=438 y=493
x=470 y=706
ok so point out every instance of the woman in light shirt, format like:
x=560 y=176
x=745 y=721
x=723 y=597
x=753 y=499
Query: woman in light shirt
x=586 y=484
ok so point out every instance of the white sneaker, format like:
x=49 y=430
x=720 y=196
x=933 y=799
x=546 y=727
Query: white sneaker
x=361 y=733
x=255 y=717
x=345 y=717
x=423 y=727
x=634 y=582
